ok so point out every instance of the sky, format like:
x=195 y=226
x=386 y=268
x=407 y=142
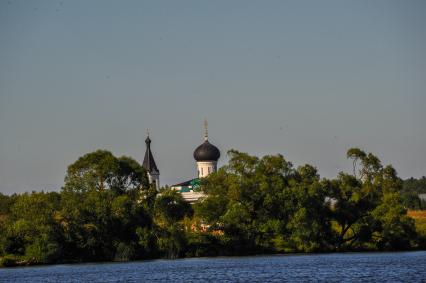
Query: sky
x=306 y=79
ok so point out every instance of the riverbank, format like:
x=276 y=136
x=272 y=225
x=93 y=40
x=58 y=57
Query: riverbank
x=273 y=208
x=419 y=216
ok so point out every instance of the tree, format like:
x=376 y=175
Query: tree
x=100 y=170
x=350 y=211
x=107 y=211
x=309 y=226
x=263 y=204
x=102 y=207
x=169 y=210
x=368 y=208
x=32 y=231
x=410 y=193
x=356 y=155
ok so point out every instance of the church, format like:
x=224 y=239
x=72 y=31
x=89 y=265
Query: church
x=206 y=156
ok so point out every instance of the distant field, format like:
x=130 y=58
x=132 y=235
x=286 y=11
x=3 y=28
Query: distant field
x=419 y=217
x=417 y=214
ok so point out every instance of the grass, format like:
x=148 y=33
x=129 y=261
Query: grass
x=419 y=217
x=421 y=226
x=417 y=214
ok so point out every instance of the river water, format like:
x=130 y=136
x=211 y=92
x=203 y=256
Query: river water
x=338 y=267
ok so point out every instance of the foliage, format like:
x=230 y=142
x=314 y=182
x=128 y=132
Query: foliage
x=169 y=210
x=419 y=217
x=416 y=185
x=101 y=170
x=267 y=205
x=6 y=203
x=410 y=193
x=8 y=261
x=107 y=211
x=421 y=230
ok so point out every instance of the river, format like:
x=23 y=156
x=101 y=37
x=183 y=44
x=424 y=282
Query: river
x=337 y=267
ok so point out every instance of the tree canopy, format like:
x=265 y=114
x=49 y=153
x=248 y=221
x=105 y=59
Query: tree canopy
x=107 y=211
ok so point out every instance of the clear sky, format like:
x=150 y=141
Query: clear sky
x=307 y=79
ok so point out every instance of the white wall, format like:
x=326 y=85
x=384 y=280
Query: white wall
x=206 y=167
x=154 y=177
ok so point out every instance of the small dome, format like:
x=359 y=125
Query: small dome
x=206 y=152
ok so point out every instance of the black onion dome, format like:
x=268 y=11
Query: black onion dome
x=206 y=152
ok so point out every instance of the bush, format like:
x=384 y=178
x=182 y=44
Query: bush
x=8 y=261
x=124 y=252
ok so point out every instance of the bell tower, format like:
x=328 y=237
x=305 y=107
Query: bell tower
x=149 y=164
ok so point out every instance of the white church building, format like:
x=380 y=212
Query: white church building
x=206 y=156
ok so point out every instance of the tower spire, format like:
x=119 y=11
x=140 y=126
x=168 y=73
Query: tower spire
x=147 y=140
x=206 y=131
x=149 y=164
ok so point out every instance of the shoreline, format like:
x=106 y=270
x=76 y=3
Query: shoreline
x=20 y=265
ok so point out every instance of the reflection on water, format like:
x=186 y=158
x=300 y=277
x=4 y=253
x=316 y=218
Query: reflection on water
x=348 y=267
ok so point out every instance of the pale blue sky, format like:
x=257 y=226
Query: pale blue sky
x=307 y=79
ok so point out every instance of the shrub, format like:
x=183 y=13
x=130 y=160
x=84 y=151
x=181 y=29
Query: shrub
x=8 y=261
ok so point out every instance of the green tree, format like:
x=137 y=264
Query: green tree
x=103 y=207
x=101 y=170
x=410 y=193
x=170 y=209
x=262 y=204
x=309 y=225
x=395 y=229
x=368 y=208
x=32 y=231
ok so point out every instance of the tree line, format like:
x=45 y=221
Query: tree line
x=411 y=189
x=107 y=211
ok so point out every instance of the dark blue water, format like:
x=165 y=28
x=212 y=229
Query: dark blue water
x=348 y=267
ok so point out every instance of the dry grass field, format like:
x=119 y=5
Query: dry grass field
x=419 y=217
x=417 y=214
